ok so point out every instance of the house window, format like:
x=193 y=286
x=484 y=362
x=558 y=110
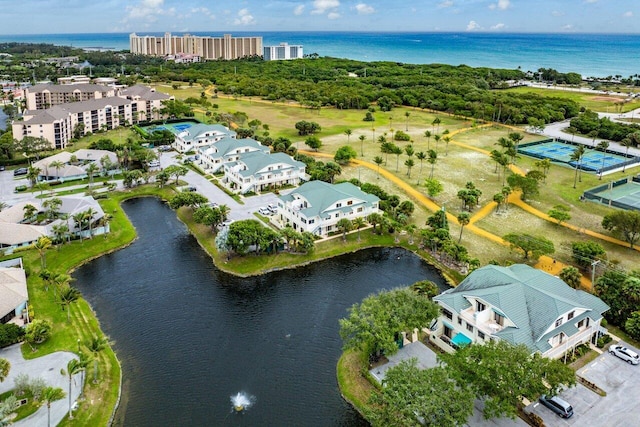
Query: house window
x=499 y=319
x=459 y=320
x=311 y=221
x=570 y=315
x=447 y=314
x=480 y=306
x=558 y=322
x=360 y=209
x=481 y=335
x=337 y=215
x=350 y=202
x=469 y=327
x=338 y=205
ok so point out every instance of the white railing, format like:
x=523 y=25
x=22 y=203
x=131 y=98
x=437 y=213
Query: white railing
x=581 y=337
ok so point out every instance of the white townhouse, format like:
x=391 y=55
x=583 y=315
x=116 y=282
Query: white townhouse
x=199 y=135
x=258 y=171
x=226 y=150
x=518 y=304
x=317 y=206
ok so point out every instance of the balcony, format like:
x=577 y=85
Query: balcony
x=489 y=327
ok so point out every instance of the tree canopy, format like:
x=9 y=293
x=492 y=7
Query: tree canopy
x=531 y=246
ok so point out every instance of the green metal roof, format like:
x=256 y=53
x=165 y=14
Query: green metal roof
x=257 y=161
x=321 y=197
x=532 y=299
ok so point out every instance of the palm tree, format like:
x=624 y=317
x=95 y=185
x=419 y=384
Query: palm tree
x=32 y=175
x=74 y=366
x=95 y=346
x=593 y=134
x=57 y=164
x=41 y=245
x=409 y=163
x=421 y=155
x=433 y=157
x=29 y=212
x=52 y=205
x=603 y=145
x=406 y=124
x=436 y=122
x=224 y=211
x=362 y=138
x=49 y=395
x=60 y=232
x=411 y=229
x=358 y=223
x=79 y=220
x=348 y=132
x=378 y=161
x=437 y=138
x=91 y=170
x=68 y=296
x=576 y=157
x=398 y=152
x=427 y=134
x=344 y=225
x=4 y=369
x=447 y=139
x=626 y=143
x=88 y=215
x=516 y=137
x=463 y=219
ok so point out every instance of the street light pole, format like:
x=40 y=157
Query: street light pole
x=593 y=272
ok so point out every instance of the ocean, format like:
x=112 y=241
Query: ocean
x=592 y=55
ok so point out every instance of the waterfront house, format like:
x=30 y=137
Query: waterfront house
x=317 y=206
x=17 y=231
x=258 y=171
x=14 y=296
x=521 y=305
x=200 y=135
x=227 y=150
x=74 y=165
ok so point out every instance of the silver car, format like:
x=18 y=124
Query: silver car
x=625 y=354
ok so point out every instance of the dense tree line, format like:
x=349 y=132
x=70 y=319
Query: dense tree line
x=588 y=123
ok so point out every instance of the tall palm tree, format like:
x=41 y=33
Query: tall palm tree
x=74 y=366
x=626 y=143
x=433 y=157
x=41 y=245
x=409 y=163
x=436 y=122
x=29 y=212
x=406 y=124
x=427 y=134
x=348 y=132
x=463 y=219
x=362 y=138
x=603 y=145
x=50 y=395
x=447 y=140
x=88 y=215
x=32 y=175
x=60 y=233
x=4 y=369
x=378 y=161
x=398 y=152
x=576 y=157
x=91 y=170
x=437 y=138
x=420 y=155
x=68 y=296
x=57 y=164
x=358 y=223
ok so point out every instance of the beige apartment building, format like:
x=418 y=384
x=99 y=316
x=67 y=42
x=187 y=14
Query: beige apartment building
x=57 y=123
x=208 y=48
x=43 y=96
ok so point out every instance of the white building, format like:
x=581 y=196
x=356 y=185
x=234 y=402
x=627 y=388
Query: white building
x=208 y=48
x=200 y=135
x=317 y=206
x=227 y=150
x=282 y=51
x=257 y=171
x=74 y=165
x=518 y=304
x=14 y=295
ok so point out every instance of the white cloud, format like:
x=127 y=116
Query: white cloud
x=244 y=18
x=628 y=14
x=322 y=6
x=473 y=26
x=201 y=10
x=445 y=3
x=299 y=9
x=557 y=13
x=333 y=15
x=501 y=4
x=568 y=27
x=591 y=1
x=364 y=9
x=499 y=26
x=147 y=9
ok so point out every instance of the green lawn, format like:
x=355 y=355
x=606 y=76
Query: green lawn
x=591 y=101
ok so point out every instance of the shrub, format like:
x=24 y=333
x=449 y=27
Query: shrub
x=603 y=340
x=536 y=420
x=10 y=334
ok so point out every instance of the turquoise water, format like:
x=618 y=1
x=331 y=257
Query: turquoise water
x=597 y=55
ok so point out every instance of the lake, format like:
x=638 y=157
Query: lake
x=190 y=336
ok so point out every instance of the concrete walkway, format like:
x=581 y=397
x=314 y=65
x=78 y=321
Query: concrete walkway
x=48 y=368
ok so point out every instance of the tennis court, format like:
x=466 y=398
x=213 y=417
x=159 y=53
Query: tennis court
x=624 y=193
x=592 y=160
x=173 y=127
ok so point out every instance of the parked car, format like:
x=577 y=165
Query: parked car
x=154 y=164
x=265 y=211
x=20 y=171
x=625 y=354
x=273 y=208
x=1 y=168
x=226 y=223
x=557 y=405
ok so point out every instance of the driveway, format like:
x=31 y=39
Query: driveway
x=620 y=406
x=555 y=130
x=48 y=368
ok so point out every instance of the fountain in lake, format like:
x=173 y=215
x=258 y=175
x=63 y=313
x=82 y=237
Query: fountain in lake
x=241 y=401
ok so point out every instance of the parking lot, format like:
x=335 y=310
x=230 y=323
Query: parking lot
x=621 y=405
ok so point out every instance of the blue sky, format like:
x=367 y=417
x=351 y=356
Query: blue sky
x=88 y=16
